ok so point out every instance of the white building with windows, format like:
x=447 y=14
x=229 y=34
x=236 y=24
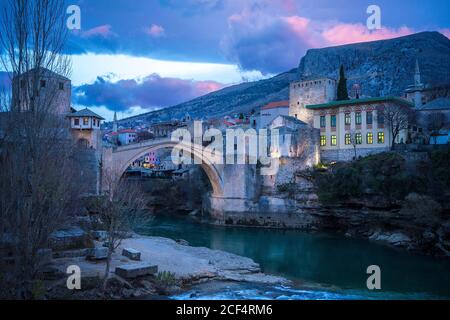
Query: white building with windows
x=354 y=125
x=85 y=128
x=127 y=136
x=271 y=111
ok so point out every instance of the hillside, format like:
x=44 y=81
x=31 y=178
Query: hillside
x=383 y=67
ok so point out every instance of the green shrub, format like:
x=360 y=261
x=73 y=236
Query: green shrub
x=166 y=278
x=383 y=174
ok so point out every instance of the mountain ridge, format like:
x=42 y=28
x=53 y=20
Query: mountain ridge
x=381 y=68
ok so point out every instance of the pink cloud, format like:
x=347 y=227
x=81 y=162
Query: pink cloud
x=209 y=86
x=346 y=33
x=445 y=32
x=103 y=31
x=155 y=31
x=303 y=30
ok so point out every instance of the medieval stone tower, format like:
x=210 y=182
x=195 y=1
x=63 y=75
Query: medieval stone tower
x=307 y=92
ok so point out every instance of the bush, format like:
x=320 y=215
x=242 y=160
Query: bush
x=383 y=174
x=166 y=278
x=440 y=167
x=421 y=208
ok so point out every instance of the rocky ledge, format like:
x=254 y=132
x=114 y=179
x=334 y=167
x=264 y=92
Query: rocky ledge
x=188 y=265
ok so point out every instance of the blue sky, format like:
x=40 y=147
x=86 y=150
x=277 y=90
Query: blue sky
x=135 y=56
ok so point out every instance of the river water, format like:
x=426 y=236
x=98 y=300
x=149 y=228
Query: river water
x=321 y=265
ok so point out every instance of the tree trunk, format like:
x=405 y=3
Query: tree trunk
x=108 y=267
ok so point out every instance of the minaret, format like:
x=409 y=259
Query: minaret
x=115 y=122
x=418 y=86
x=417 y=82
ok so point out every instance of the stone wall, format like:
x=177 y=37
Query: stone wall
x=348 y=154
x=307 y=154
x=89 y=164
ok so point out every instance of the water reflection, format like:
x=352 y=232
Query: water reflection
x=325 y=259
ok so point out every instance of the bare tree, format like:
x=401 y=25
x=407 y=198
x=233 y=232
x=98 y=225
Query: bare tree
x=397 y=118
x=435 y=122
x=353 y=141
x=39 y=177
x=122 y=207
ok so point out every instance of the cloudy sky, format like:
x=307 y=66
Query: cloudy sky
x=134 y=56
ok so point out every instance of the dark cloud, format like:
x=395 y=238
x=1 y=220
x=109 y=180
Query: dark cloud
x=269 y=43
x=153 y=91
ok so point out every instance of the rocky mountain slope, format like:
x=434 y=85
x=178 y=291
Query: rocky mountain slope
x=383 y=67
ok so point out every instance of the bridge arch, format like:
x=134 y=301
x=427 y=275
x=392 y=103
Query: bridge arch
x=124 y=156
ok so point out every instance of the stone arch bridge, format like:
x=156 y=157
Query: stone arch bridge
x=234 y=186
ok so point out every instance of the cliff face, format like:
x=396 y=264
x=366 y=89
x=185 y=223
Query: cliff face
x=384 y=67
x=381 y=68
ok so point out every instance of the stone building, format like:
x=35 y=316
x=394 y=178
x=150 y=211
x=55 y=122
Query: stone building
x=433 y=111
x=314 y=90
x=354 y=125
x=298 y=149
x=164 y=129
x=42 y=87
x=85 y=128
x=433 y=122
x=271 y=111
x=420 y=94
x=127 y=136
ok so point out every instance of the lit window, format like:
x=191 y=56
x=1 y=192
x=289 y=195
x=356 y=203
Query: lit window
x=358 y=138
x=369 y=117
x=333 y=121
x=322 y=121
x=85 y=121
x=358 y=119
x=380 y=137
x=348 y=119
x=369 y=138
x=333 y=140
x=348 y=139
x=323 y=141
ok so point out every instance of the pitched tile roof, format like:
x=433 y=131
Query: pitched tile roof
x=85 y=113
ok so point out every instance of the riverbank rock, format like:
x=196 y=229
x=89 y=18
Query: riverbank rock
x=131 y=253
x=70 y=238
x=131 y=271
x=97 y=253
x=395 y=239
x=182 y=242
